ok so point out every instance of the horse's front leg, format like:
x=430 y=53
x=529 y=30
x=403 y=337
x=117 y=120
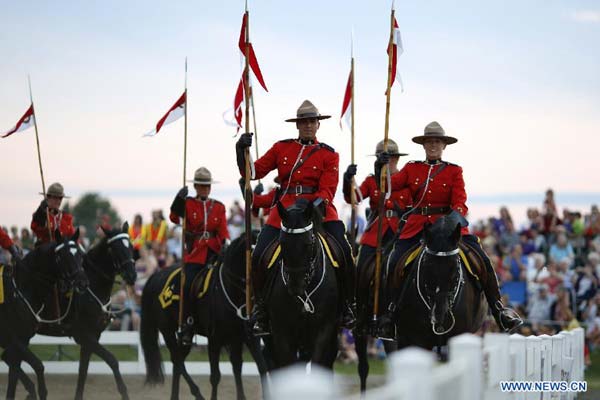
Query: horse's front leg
x=214 y=352
x=84 y=361
x=112 y=362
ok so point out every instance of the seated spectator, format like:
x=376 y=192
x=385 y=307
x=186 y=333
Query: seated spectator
x=174 y=243
x=536 y=270
x=539 y=241
x=561 y=250
x=145 y=266
x=516 y=263
x=527 y=244
x=553 y=279
x=585 y=284
x=539 y=305
x=26 y=241
x=508 y=238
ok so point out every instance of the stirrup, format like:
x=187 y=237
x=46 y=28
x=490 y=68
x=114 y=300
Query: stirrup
x=508 y=320
x=185 y=334
x=259 y=329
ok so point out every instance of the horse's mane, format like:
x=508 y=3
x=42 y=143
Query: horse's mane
x=301 y=205
x=440 y=232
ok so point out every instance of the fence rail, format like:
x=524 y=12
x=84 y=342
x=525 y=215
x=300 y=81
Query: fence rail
x=137 y=367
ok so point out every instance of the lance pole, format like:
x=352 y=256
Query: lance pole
x=183 y=223
x=383 y=173
x=39 y=154
x=352 y=161
x=247 y=172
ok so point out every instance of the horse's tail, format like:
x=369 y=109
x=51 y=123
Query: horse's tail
x=149 y=336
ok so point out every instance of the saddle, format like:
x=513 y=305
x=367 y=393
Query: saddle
x=199 y=287
x=333 y=251
x=472 y=261
x=366 y=272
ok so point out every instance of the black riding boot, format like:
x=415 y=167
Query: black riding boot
x=507 y=319
x=386 y=327
x=185 y=335
x=260 y=319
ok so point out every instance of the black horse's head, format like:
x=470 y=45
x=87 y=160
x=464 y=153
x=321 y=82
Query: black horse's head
x=441 y=269
x=67 y=262
x=298 y=243
x=120 y=252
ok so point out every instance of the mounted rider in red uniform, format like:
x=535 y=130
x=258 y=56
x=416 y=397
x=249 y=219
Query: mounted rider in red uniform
x=306 y=169
x=7 y=244
x=205 y=233
x=437 y=188
x=369 y=188
x=49 y=214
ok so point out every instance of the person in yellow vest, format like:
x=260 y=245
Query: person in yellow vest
x=137 y=234
x=156 y=232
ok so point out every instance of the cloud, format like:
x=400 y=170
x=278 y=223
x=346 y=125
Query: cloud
x=587 y=16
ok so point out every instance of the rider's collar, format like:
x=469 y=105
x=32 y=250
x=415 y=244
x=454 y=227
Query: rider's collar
x=433 y=162
x=307 y=142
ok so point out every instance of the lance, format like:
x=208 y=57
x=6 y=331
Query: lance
x=37 y=142
x=39 y=154
x=353 y=182
x=182 y=278
x=247 y=172
x=383 y=173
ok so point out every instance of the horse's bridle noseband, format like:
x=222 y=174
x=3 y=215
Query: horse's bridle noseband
x=442 y=253
x=296 y=231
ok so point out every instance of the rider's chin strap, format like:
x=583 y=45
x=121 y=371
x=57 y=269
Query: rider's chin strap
x=441 y=253
x=297 y=230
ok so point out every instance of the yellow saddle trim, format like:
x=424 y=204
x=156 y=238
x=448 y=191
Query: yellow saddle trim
x=1 y=284
x=275 y=256
x=413 y=255
x=465 y=261
x=166 y=296
x=334 y=263
x=463 y=257
x=328 y=251
x=206 y=283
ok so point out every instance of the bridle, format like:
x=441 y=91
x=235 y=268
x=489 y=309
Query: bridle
x=306 y=300
x=454 y=252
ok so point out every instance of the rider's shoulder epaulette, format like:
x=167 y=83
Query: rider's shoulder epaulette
x=452 y=164
x=414 y=162
x=286 y=140
x=327 y=147
x=218 y=202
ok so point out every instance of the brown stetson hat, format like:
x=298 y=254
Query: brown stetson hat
x=202 y=176
x=392 y=149
x=307 y=110
x=434 y=130
x=56 y=190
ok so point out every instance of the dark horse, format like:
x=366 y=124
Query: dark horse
x=26 y=292
x=90 y=313
x=218 y=309
x=303 y=303
x=440 y=299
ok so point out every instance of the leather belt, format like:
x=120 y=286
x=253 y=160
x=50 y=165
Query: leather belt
x=391 y=213
x=203 y=235
x=298 y=189
x=431 y=210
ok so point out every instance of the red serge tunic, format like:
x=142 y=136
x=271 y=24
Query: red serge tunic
x=5 y=240
x=319 y=172
x=206 y=222
x=264 y=201
x=369 y=188
x=55 y=219
x=445 y=189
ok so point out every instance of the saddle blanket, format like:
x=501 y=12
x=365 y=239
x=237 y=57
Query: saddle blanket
x=171 y=289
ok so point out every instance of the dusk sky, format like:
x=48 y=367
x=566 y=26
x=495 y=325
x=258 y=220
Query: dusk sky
x=517 y=82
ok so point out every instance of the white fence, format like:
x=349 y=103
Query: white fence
x=474 y=371
x=126 y=367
